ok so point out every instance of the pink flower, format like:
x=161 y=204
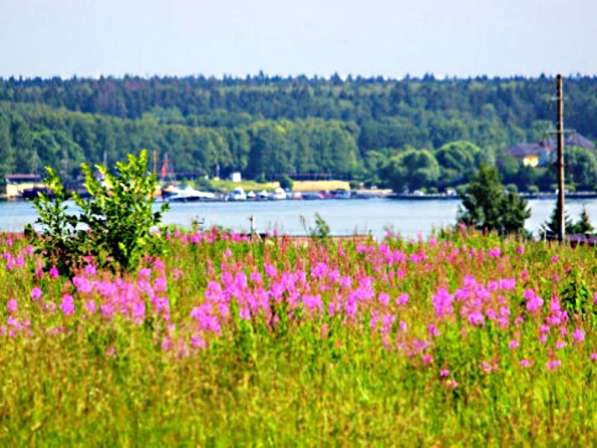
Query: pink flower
x=12 y=306
x=90 y=306
x=90 y=269
x=432 y=330
x=476 y=319
x=594 y=356
x=53 y=272
x=494 y=252
x=578 y=335
x=383 y=298
x=534 y=302
x=560 y=344
x=36 y=293
x=513 y=345
x=525 y=363
x=427 y=359
x=67 y=305
x=443 y=373
x=402 y=299
x=553 y=364
x=442 y=302
x=198 y=342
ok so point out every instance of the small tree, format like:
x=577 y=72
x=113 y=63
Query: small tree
x=487 y=205
x=551 y=228
x=115 y=224
x=583 y=225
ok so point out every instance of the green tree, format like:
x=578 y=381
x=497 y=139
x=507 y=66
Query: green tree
x=412 y=169
x=457 y=160
x=551 y=228
x=581 y=168
x=583 y=225
x=119 y=212
x=486 y=205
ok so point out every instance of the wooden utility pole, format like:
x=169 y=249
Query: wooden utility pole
x=560 y=163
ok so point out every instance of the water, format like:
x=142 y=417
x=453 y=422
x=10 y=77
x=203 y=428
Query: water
x=409 y=218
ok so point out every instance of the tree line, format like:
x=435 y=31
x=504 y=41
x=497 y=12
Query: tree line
x=408 y=134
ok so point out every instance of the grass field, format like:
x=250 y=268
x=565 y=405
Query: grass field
x=464 y=340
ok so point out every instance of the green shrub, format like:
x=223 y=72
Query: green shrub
x=115 y=225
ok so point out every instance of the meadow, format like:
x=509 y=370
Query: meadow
x=461 y=339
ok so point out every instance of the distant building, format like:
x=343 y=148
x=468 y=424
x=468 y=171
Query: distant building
x=236 y=177
x=16 y=184
x=544 y=151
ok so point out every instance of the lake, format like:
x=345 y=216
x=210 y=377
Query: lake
x=408 y=217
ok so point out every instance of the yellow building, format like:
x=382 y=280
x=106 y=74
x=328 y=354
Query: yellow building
x=16 y=184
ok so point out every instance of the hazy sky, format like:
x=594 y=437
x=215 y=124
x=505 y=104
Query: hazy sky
x=236 y=37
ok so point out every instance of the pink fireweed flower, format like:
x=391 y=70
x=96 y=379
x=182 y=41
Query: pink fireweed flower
x=53 y=272
x=90 y=307
x=403 y=326
x=373 y=321
x=313 y=302
x=494 y=252
x=270 y=270
x=476 y=318
x=383 y=298
x=578 y=335
x=82 y=285
x=402 y=299
x=443 y=373
x=553 y=364
x=198 y=342
x=525 y=363
x=554 y=259
x=160 y=284
x=560 y=344
x=520 y=250
x=12 y=306
x=107 y=310
x=486 y=367
x=514 y=344
x=67 y=305
x=533 y=301
x=432 y=330
x=427 y=359
x=594 y=356
x=442 y=302
x=90 y=269
x=36 y=293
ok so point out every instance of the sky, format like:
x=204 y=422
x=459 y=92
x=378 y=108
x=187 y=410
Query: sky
x=390 y=38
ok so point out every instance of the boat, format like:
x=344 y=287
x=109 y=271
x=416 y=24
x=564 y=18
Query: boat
x=263 y=195
x=189 y=194
x=251 y=195
x=278 y=195
x=341 y=194
x=238 y=194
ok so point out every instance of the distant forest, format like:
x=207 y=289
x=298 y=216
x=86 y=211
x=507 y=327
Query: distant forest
x=407 y=134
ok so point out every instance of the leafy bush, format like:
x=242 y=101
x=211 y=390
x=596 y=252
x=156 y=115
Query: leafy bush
x=60 y=242
x=114 y=224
